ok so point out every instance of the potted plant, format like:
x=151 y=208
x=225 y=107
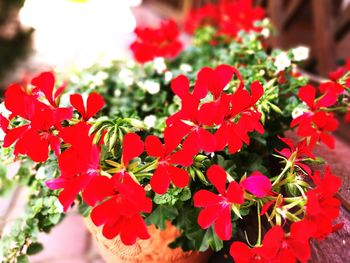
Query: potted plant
x=183 y=149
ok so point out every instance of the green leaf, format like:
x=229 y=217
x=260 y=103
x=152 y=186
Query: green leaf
x=162 y=214
x=34 y=248
x=22 y=259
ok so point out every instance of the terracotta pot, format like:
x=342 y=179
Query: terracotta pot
x=153 y=250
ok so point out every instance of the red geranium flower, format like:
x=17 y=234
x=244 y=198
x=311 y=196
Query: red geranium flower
x=166 y=171
x=79 y=164
x=322 y=207
x=217 y=208
x=120 y=212
x=300 y=152
x=157 y=42
x=347 y=115
x=41 y=116
x=241 y=253
x=94 y=104
x=279 y=247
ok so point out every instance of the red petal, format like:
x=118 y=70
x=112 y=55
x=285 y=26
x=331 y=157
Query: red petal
x=95 y=103
x=160 y=180
x=204 y=198
x=235 y=193
x=135 y=227
x=180 y=86
x=208 y=215
x=257 y=91
x=307 y=94
x=132 y=147
x=114 y=227
x=223 y=225
x=4 y=123
x=97 y=190
x=178 y=176
x=104 y=212
x=14 y=134
x=154 y=147
x=217 y=176
x=76 y=100
x=45 y=83
x=206 y=140
x=241 y=252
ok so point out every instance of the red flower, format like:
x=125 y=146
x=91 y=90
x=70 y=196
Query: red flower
x=93 y=105
x=241 y=253
x=257 y=184
x=132 y=147
x=157 y=42
x=166 y=171
x=299 y=152
x=217 y=208
x=322 y=207
x=41 y=114
x=308 y=95
x=79 y=164
x=347 y=115
x=120 y=212
x=228 y=17
x=278 y=247
x=239 y=119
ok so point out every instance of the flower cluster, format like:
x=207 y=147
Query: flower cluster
x=228 y=17
x=156 y=42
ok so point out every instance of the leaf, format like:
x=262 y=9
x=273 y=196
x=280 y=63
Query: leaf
x=34 y=248
x=22 y=259
x=160 y=215
x=210 y=239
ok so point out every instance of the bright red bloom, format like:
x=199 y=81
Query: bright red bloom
x=79 y=164
x=38 y=109
x=300 y=152
x=257 y=184
x=166 y=171
x=132 y=147
x=228 y=17
x=322 y=207
x=94 y=104
x=241 y=253
x=239 y=119
x=279 y=247
x=336 y=74
x=308 y=95
x=217 y=208
x=347 y=115
x=120 y=212
x=157 y=42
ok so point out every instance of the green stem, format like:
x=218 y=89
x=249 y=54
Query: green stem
x=281 y=174
x=259 y=224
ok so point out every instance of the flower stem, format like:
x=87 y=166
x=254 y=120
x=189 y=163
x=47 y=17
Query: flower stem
x=259 y=224
x=281 y=174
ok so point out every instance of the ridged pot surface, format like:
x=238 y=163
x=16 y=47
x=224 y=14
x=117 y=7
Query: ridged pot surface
x=152 y=250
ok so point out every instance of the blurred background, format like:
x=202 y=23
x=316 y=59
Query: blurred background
x=38 y=34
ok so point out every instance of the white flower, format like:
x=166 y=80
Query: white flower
x=117 y=93
x=58 y=206
x=126 y=76
x=2 y=135
x=151 y=86
x=185 y=68
x=40 y=174
x=150 y=121
x=159 y=65
x=3 y=111
x=168 y=76
x=298 y=111
x=262 y=72
x=282 y=61
x=265 y=32
x=300 y=53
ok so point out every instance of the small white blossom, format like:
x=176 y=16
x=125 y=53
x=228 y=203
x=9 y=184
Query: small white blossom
x=168 y=76
x=300 y=53
x=282 y=61
x=298 y=111
x=151 y=86
x=265 y=32
x=2 y=135
x=159 y=65
x=40 y=174
x=252 y=37
x=266 y=21
x=3 y=111
x=117 y=93
x=185 y=67
x=262 y=72
x=58 y=206
x=126 y=76
x=150 y=121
